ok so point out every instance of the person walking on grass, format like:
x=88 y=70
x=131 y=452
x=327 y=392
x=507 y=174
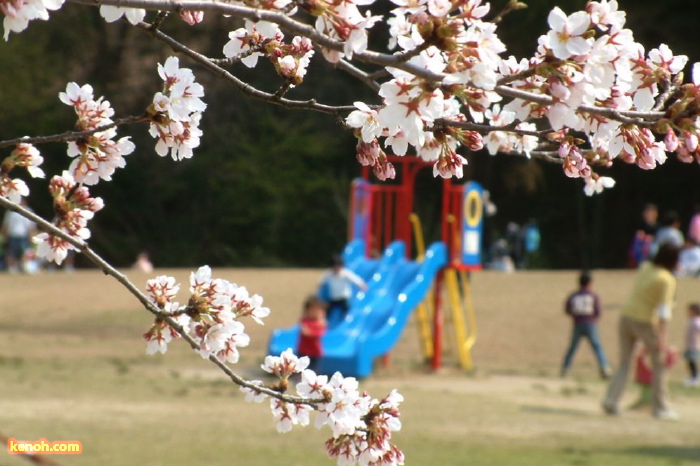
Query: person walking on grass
x=644 y=318
x=584 y=308
x=18 y=231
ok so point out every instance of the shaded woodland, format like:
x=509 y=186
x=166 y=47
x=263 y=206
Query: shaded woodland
x=269 y=186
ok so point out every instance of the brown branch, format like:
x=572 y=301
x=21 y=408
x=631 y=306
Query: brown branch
x=624 y=116
x=290 y=25
x=285 y=23
x=109 y=270
x=240 y=85
x=512 y=5
x=511 y=128
x=668 y=93
x=357 y=73
x=72 y=135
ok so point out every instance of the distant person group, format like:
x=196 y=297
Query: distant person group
x=644 y=321
x=654 y=230
x=18 y=254
x=516 y=249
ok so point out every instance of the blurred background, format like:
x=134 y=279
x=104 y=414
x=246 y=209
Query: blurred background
x=269 y=186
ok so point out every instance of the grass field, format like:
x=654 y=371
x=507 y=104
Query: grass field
x=73 y=367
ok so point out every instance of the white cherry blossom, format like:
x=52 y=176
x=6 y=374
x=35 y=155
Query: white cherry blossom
x=113 y=13
x=565 y=39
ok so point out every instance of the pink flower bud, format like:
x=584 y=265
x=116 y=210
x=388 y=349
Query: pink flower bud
x=671 y=140
x=192 y=17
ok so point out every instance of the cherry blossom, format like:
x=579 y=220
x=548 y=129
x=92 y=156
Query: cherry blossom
x=289 y=414
x=366 y=119
x=74 y=207
x=253 y=396
x=97 y=155
x=192 y=17
x=605 y=14
x=23 y=155
x=565 y=39
x=252 y=36
x=176 y=111
x=13 y=189
x=285 y=364
x=28 y=156
x=589 y=95
x=113 y=13
x=596 y=185
x=162 y=289
x=18 y=13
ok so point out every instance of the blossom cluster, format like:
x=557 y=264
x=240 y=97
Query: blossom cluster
x=176 y=111
x=96 y=155
x=24 y=155
x=362 y=426
x=73 y=207
x=450 y=88
x=266 y=39
x=586 y=59
x=211 y=315
x=135 y=15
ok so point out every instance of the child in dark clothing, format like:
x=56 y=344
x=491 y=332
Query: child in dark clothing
x=313 y=327
x=584 y=307
x=336 y=288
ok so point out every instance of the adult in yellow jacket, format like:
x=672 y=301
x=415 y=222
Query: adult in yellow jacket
x=644 y=318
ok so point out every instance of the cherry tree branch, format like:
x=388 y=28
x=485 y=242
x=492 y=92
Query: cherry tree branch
x=109 y=270
x=72 y=135
x=239 y=84
x=285 y=23
x=352 y=70
x=671 y=89
x=511 y=128
x=547 y=156
x=643 y=119
x=625 y=116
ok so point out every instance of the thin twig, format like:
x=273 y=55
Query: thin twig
x=357 y=73
x=240 y=85
x=72 y=135
x=295 y=27
x=667 y=94
x=512 y=5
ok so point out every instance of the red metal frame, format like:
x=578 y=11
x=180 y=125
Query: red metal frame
x=390 y=206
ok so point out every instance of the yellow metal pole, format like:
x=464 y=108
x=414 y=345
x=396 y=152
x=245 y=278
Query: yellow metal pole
x=424 y=310
x=463 y=317
x=471 y=315
x=451 y=278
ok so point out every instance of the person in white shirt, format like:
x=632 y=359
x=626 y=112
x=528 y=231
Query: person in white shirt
x=17 y=230
x=689 y=259
x=336 y=284
x=669 y=232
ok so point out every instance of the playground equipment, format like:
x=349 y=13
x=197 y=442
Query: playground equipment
x=383 y=233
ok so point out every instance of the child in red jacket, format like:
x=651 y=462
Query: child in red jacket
x=313 y=327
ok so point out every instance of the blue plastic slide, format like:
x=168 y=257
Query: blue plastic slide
x=354 y=259
x=378 y=316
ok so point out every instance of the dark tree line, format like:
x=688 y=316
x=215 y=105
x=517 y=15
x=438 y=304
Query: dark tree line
x=268 y=185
